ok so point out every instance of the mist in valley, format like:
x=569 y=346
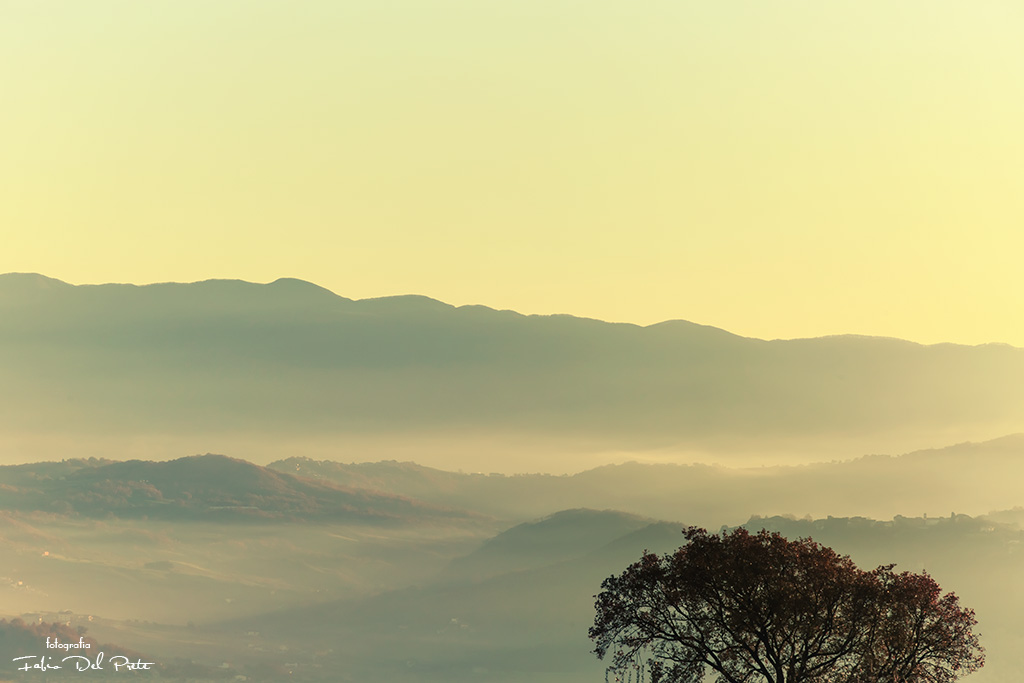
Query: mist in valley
x=390 y=571
x=270 y=482
x=504 y=294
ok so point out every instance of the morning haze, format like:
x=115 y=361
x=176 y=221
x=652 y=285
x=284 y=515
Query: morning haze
x=509 y=292
x=274 y=482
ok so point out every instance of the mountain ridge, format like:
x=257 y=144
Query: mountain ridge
x=27 y=280
x=222 y=358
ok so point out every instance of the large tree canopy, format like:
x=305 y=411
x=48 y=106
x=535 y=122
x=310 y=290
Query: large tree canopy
x=761 y=608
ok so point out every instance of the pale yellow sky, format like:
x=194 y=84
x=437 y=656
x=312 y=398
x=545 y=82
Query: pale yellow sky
x=777 y=169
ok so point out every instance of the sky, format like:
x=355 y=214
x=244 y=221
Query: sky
x=783 y=169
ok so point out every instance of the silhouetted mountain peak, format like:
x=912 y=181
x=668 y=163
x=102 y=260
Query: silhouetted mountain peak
x=31 y=280
x=28 y=288
x=691 y=329
x=405 y=304
x=303 y=286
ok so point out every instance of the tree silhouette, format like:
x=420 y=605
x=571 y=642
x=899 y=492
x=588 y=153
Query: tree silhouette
x=761 y=608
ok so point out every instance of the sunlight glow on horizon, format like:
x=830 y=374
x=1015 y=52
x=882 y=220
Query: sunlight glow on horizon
x=782 y=171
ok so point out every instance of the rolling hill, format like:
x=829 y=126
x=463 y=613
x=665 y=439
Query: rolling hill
x=208 y=488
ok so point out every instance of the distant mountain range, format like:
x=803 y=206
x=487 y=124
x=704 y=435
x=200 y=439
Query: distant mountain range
x=291 y=360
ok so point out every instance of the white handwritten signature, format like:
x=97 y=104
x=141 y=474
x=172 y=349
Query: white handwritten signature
x=82 y=663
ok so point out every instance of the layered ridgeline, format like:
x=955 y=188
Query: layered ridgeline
x=972 y=478
x=290 y=360
x=378 y=577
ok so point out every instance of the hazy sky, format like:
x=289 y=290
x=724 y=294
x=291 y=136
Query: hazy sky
x=779 y=169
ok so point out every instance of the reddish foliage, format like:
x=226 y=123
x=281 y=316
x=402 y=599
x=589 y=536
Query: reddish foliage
x=758 y=607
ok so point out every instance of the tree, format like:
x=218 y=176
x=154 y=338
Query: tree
x=761 y=608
